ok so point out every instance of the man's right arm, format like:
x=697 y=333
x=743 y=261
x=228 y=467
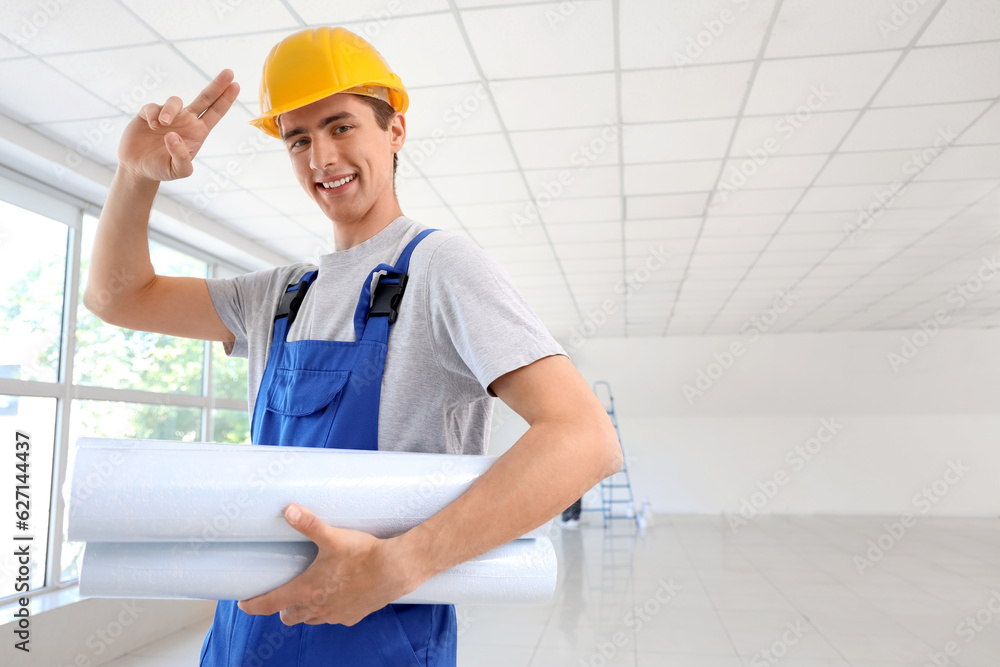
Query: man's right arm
x=123 y=289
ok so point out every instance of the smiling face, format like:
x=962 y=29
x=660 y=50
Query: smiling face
x=343 y=160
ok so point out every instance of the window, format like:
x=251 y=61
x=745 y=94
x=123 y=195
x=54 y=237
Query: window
x=58 y=384
x=32 y=279
x=230 y=426
x=109 y=356
x=229 y=375
x=112 y=419
x=32 y=275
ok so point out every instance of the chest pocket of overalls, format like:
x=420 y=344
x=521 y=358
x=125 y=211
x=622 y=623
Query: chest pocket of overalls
x=308 y=401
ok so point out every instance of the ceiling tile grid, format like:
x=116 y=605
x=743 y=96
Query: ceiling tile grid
x=687 y=160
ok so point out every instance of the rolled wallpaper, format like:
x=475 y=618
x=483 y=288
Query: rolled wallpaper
x=519 y=572
x=152 y=491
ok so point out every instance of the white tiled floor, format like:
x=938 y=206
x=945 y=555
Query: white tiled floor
x=692 y=592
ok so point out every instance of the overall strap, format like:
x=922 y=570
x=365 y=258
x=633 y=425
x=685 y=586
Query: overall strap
x=388 y=293
x=288 y=307
x=403 y=263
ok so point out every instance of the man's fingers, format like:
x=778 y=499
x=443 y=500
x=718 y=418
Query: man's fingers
x=305 y=522
x=271 y=603
x=297 y=613
x=169 y=110
x=151 y=113
x=219 y=108
x=180 y=157
x=212 y=92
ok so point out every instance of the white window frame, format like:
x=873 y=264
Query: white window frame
x=58 y=206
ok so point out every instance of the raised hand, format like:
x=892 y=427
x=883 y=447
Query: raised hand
x=161 y=141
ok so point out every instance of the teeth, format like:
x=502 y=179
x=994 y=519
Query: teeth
x=337 y=184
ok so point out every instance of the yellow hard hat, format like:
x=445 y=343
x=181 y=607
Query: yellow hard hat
x=319 y=62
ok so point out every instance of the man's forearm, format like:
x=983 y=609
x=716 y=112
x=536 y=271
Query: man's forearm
x=120 y=266
x=551 y=465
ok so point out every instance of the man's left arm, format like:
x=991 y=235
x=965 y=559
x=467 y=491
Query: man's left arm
x=569 y=447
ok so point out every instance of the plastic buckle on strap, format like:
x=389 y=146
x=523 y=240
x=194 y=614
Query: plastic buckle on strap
x=388 y=296
x=290 y=302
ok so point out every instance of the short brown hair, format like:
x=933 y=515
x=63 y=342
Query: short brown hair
x=383 y=116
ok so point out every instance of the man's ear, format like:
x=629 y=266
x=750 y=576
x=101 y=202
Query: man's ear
x=397 y=131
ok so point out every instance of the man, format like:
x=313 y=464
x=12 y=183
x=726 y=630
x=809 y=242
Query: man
x=325 y=371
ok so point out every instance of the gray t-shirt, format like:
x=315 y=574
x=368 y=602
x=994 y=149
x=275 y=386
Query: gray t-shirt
x=462 y=324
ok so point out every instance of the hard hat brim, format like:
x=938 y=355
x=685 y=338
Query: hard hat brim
x=268 y=123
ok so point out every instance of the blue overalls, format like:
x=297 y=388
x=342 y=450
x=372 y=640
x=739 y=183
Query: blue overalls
x=318 y=393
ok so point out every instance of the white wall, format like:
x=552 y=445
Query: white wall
x=896 y=431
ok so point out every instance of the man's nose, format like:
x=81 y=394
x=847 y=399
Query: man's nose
x=323 y=154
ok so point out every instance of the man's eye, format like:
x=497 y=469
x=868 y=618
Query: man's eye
x=341 y=127
x=299 y=143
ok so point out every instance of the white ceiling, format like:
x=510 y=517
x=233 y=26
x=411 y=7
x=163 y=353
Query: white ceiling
x=670 y=124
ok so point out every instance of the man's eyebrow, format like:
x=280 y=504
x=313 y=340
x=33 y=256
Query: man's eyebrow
x=335 y=117
x=343 y=115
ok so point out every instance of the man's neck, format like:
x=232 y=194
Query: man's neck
x=349 y=235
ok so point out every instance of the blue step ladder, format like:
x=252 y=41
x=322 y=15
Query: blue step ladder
x=617 y=500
